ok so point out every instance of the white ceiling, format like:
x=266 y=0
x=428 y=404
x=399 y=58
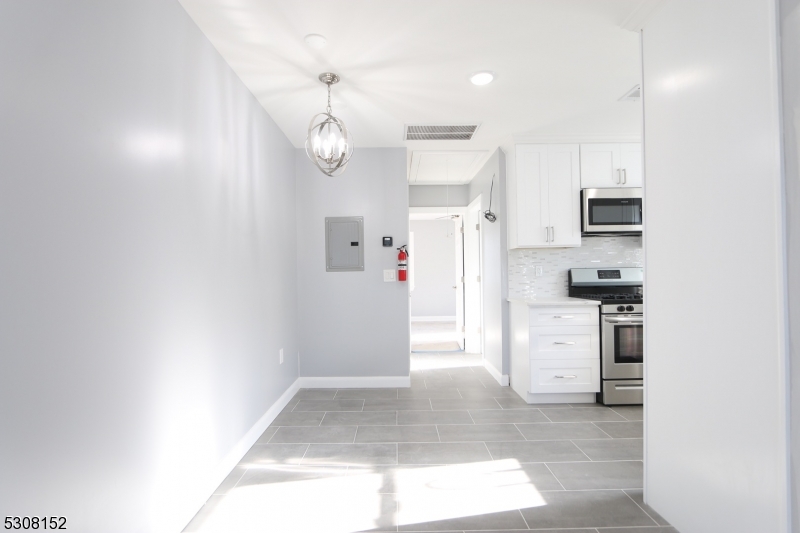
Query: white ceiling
x=561 y=66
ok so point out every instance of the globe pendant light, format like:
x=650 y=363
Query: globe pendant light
x=329 y=145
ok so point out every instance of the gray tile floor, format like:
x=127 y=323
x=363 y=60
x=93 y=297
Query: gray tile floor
x=454 y=452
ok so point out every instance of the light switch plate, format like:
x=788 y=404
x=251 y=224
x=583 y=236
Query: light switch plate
x=389 y=275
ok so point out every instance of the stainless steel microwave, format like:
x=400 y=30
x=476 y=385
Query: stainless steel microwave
x=612 y=210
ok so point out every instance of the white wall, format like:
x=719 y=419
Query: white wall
x=715 y=340
x=434 y=268
x=438 y=195
x=145 y=286
x=494 y=270
x=356 y=324
x=790 y=63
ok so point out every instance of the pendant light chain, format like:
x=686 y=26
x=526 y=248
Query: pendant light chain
x=328 y=109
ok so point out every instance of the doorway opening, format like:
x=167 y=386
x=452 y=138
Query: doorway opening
x=436 y=270
x=444 y=279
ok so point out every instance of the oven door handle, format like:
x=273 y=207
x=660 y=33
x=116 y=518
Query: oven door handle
x=614 y=320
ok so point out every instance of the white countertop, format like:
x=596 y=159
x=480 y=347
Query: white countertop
x=557 y=301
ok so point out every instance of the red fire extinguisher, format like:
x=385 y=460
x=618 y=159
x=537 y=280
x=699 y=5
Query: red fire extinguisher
x=402 y=263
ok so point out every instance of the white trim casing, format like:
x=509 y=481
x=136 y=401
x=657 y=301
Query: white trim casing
x=233 y=457
x=355 y=382
x=433 y=319
x=502 y=379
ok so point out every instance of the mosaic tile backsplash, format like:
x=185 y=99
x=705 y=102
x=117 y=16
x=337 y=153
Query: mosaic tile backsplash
x=555 y=262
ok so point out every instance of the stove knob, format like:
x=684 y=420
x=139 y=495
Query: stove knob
x=629 y=308
x=620 y=308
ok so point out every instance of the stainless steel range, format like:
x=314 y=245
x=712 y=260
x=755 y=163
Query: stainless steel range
x=621 y=329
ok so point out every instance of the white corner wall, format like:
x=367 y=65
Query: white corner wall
x=148 y=265
x=354 y=323
x=790 y=75
x=716 y=372
x=494 y=254
x=434 y=268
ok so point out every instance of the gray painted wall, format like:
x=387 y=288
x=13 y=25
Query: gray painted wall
x=438 y=195
x=790 y=58
x=145 y=286
x=495 y=261
x=434 y=268
x=354 y=323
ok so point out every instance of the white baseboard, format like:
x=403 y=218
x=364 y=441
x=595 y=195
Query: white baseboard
x=206 y=489
x=561 y=397
x=502 y=379
x=433 y=319
x=356 y=382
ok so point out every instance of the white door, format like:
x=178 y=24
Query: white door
x=564 y=184
x=533 y=217
x=458 y=283
x=631 y=164
x=600 y=166
x=472 y=278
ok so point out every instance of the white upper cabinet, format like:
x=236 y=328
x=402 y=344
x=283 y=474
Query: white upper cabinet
x=610 y=165
x=631 y=164
x=544 y=196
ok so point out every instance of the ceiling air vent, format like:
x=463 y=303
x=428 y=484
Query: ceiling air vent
x=634 y=95
x=440 y=133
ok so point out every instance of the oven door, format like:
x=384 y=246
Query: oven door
x=622 y=346
x=612 y=210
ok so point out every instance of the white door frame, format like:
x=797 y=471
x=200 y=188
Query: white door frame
x=473 y=275
x=433 y=213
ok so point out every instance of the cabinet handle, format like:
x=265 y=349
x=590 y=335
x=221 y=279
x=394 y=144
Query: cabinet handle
x=624 y=175
x=565 y=377
x=547 y=234
x=619 y=176
x=563 y=316
x=570 y=343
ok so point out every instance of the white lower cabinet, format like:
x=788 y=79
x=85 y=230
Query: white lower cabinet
x=555 y=352
x=574 y=375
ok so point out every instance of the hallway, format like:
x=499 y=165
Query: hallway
x=455 y=452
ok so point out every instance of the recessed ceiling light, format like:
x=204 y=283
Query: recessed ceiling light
x=482 y=78
x=315 y=40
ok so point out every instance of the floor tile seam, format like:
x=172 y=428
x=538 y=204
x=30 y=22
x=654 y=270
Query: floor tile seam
x=544 y=415
x=639 y=506
x=523 y=518
x=555 y=476
x=601 y=429
x=234 y=485
x=308 y=447
x=583 y=452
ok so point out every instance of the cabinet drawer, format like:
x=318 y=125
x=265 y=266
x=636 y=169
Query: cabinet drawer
x=576 y=375
x=565 y=316
x=565 y=342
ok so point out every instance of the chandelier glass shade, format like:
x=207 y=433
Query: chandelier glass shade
x=329 y=144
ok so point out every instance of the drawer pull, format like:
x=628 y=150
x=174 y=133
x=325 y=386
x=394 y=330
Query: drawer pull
x=569 y=343
x=565 y=377
x=563 y=316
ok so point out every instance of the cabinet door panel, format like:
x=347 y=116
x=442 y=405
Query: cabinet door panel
x=600 y=164
x=532 y=191
x=575 y=375
x=564 y=194
x=566 y=342
x=631 y=162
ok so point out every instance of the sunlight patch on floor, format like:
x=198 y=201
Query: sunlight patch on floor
x=350 y=503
